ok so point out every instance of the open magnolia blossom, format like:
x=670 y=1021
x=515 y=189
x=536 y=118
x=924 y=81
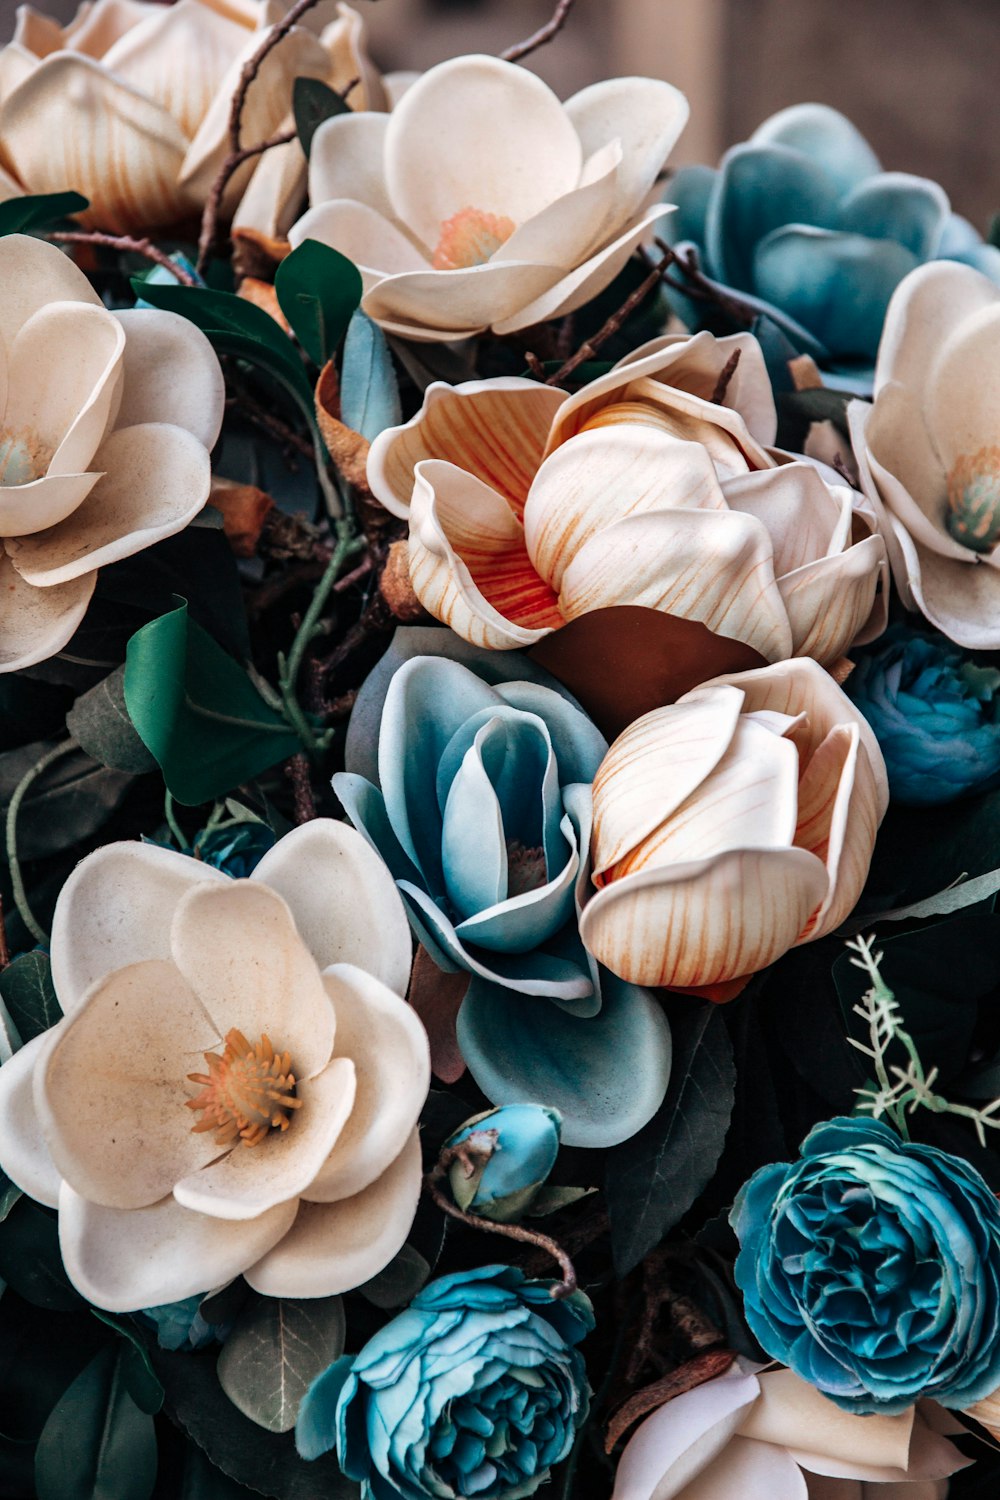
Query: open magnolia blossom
x=104 y=438
x=654 y=485
x=732 y=826
x=129 y=104
x=482 y=201
x=929 y=448
x=236 y=1082
x=764 y=1434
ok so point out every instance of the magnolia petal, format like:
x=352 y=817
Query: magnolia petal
x=171 y=374
x=376 y=245
x=477 y=132
x=468 y=562
x=33 y=274
x=346 y=161
x=125 y=1259
x=344 y=41
x=178 y=57
x=707 y=921
x=695 y=362
x=115 y=909
x=837 y=824
x=711 y=566
x=24 y=1155
x=275 y=192
x=238 y=947
x=587 y=485
x=156 y=479
x=95 y=29
x=385 y=1040
x=831 y=600
x=754 y=1471
x=251 y=1179
x=908 y=472
x=962 y=601
x=16 y=64
x=334 y=1247
x=101 y=138
x=494 y=429
x=926 y=307
x=805 y=518
x=27 y=508
x=654 y=766
x=573 y=226
x=35 y=32
x=645 y=115
x=35 y=623
x=683 y=1437
x=962 y=389
x=111 y=1091
x=446 y=304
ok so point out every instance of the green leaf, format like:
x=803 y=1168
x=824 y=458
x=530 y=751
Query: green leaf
x=137 y=1370
x=401 y=1279
x=313 y=101
x=276 y=1349
x=819 y=405
x=654 y=1178
x=318 y=290
x=369 y=390
x=67 y=804
x=201 y=1480
x=27 y=991
x=198 y=712
x=41 y=1351
x=99 y=721
x=30 y=1261
x=97 y=1444
x=18 y=215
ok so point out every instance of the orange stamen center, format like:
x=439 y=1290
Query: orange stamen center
x=973 y=515
x=247 y=1091
x=470 y=238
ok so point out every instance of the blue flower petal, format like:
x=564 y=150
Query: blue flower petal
x=316 y=1423
x=760 y=189
x=826 y=137
x=896 y=206
x=690 y=190
x=473 y=843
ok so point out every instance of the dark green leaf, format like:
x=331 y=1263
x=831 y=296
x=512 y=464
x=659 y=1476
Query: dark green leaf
x=314 y=101
x=29 y=1258
x=18 y=215
x=369 y=390
x=198 y=712
x=201 y=1480
x=97 y=1444
x=41 y=1351
x=275 y=1351
x=655 y=1177
x=400 y=1281
x=9 y=1195
x=922 y=850
x=137 y=1370
x=27 y=991
x=318 y=290
x=68 y=803
x=99 y=721
x=820 y=405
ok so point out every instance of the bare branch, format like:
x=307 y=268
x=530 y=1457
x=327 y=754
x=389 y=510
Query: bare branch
x=545 y=33
x=589 y=348
x=124 y=242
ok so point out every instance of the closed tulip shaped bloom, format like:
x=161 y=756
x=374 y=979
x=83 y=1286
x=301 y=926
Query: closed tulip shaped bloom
x=731 y=827
x=518 y=1146
x=482 y=201
x=235 y=1085
x=929 y=449
x=529 y=508
x=107 y=421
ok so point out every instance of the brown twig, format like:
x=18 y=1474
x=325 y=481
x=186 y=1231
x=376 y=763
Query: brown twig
x=726 y=375
x=297 y=771
x=247 y=404
x=698 y=286
x=124 y=242
x=355 y=575
x=544 y=34
x=534 y=364
x=703 y=1367
x=590 y=346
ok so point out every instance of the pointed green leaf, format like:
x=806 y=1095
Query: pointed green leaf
x=318 y=290
x=97 y=1444
x=18 y=215
x=369 y=390
x=274 y=1353
x=30 y=1261
x=314 y=101
x=400 y=1281
x=27 y=991
x=99 y=721
x=137 y=1371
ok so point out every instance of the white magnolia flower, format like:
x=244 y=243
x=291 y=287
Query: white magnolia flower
x=481 y=201
x=236 y=1083
x=107 y=419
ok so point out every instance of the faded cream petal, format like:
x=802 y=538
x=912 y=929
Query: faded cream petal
x=251 y=1179
x=477 y=132
x=707 y=921
x=35 y=32
x=573 y=226
x=238 y=947
x=377 y=246
x=343 y=40
x=275 y=193
x=962 y=394
x=493 y=429
x=33 y=274
x=334 y=1247
x=27 y=508
x=35 y=623
x=96 y=28
x=646 y=115
x=805 y=518
x=101 y=138
x=178 y=57
x=346 y=161
x=385 y=1040
x=925 y=308
x=171 y=374
x=446 y=304
x=343 y=899
x=910 y=477
x=24 y=1155
x=125 y=1259
x=600 y=478
x=838 y=821
x=712 y=566
x=115 y=909
x=155 y=479
x=16 y=64
x=963 y=601
x=111 y=1091
x=830 y=601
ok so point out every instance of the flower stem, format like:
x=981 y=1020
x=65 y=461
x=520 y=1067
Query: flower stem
x=13 y=863
x=170 y=818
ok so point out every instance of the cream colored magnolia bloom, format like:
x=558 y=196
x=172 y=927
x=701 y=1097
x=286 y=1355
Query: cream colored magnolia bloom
x=104 y=438
x=236 y=1083
x=482 y=202
x=755 y=1434
x=129 y=104
x=732 y=826
x=929 y=448
x=529 y=508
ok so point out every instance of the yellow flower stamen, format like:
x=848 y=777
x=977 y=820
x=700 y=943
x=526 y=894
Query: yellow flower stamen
x=247 y=1092
x=973 y=517
x=470 y=238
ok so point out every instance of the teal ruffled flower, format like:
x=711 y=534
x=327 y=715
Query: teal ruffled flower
x=180 y=1325
x=935 y=713
x=476 y=1390
x=235 y=851
x=872 y=1268
x=801 y=222
x=524 y=1144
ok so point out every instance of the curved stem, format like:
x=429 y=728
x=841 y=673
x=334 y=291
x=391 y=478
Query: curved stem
x=13 y=863
x=170 y=818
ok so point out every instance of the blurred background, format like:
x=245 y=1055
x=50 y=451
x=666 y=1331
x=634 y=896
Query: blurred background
x=917 y=76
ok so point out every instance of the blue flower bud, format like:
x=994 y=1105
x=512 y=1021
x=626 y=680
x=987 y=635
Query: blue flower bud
x=180 y=1325
x=518 y=1145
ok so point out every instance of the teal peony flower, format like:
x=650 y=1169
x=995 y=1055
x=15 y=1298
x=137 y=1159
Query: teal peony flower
x=476 y=1389
x=525 y=1144
x=872 y=1268
x=802 y=222
x=180 y=1325
x=935 y=713
x=235 y=851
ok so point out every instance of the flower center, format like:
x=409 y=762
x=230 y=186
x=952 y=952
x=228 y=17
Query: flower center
x=525 y=869
x=23 y=457
x=469 y=238
x=973 y=517
x=247 y=1091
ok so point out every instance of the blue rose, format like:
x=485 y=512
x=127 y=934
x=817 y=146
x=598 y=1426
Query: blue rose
x=872 y=1268
x=180 y=1325
x=523 y=1142
x=801 y=222
x=476 y=1390
x=935 y=713
x=470 y=774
